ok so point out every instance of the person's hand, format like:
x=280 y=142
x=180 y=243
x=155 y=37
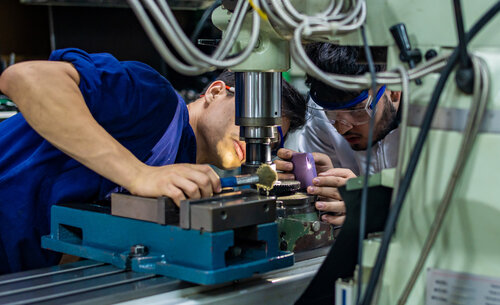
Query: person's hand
x=326 y=187
x=322 y=162
x=284 y=165
x=177 y=181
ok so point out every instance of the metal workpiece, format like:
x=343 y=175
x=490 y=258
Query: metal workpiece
x=228 y=211
x=160 y=210
x=217 y=213
x=204 y=214
x=258 y=98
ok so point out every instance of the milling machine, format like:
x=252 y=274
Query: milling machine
x=448 y=222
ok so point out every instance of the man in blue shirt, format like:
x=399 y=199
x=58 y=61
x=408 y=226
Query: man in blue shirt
x=90 y=123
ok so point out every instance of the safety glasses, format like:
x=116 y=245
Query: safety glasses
x=358 y=116
x=352 y=113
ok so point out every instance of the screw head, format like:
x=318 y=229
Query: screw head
x=138 y=250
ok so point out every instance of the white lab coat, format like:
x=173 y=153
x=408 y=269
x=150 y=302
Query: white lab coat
x=319 y=135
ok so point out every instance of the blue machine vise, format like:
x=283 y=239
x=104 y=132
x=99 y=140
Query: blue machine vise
x=209 y=241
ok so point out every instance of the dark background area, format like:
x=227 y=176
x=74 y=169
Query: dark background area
x=25 y=32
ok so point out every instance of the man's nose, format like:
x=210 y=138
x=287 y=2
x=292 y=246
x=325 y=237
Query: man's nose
x=342 y=126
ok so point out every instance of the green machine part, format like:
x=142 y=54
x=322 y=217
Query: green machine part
x=299 y=226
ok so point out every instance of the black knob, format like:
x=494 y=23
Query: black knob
x=430 y=54
x=406 y=54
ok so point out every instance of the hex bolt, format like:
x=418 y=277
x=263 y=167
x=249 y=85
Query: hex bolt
x=315 y=226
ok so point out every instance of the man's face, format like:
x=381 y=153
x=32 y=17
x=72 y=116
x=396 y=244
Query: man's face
x=220 y=133
x=357 y=134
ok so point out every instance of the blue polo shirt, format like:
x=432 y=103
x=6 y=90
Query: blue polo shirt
x=133 y=102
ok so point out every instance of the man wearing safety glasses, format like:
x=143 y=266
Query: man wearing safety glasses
x=357 y=112
x=338 y=126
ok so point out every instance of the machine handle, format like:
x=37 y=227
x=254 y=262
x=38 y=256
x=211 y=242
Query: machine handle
x=412 y=57
x=400 y=35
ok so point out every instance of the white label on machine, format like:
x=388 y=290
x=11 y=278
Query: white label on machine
x=449 y=287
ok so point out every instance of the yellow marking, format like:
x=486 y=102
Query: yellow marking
x=261 y=13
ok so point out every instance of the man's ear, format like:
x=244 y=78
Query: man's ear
x=215 y=90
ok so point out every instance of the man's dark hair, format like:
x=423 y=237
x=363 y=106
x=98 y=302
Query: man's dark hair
x=293 y=103
x=336 y=59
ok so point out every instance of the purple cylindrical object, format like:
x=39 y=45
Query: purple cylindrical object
x=304 y=168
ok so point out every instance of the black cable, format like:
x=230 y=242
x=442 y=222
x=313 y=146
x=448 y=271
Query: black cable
x=396 y=208
x=199 y=26
x=364 y=194
x=462 y=44
x=464 y=77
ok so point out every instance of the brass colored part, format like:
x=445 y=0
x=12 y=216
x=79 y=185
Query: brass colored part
x=267 y=177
